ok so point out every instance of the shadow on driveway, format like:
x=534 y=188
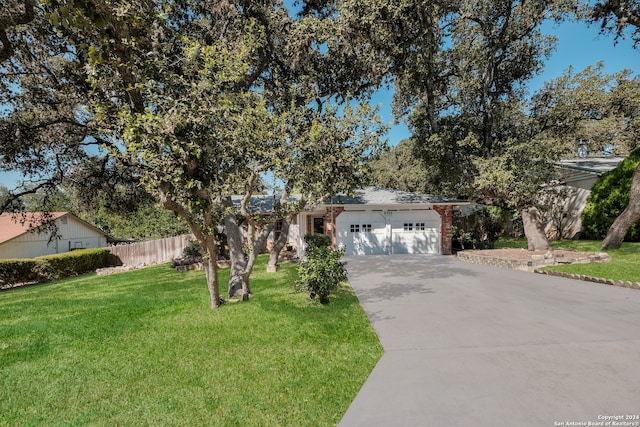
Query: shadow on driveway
x=471 y=345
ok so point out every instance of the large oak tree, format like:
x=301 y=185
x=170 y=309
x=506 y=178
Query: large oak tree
x=621 y=17
x=201 y=98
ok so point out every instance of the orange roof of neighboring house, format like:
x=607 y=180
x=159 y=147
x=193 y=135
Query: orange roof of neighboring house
x=13 y=225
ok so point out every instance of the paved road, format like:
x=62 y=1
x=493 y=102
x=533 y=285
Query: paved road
x=469 y=345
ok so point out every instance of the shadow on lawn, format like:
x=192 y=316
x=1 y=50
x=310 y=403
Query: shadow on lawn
x=285 y=300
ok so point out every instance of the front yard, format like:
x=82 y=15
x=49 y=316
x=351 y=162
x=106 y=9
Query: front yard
x=143 y=348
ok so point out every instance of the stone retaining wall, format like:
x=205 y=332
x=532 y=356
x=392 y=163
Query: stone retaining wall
x=537 y=261
x=511 y=264
x=532 y=262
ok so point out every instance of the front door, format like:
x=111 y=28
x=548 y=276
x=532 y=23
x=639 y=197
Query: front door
x=318 y=225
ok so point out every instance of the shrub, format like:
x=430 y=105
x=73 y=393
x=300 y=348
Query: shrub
x=52 y=267
x=13 y=271
x=321 y=272
x=317 y=241
x=59 y=266
x=609 y=197
x=193 y=249
x=481 y=228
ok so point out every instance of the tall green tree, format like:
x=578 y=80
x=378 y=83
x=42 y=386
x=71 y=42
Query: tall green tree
x=620 y=17
x=400 y=168
x=204 y=97
x=46 y=129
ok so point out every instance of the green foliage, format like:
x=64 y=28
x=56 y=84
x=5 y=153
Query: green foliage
x=317 y=240
x=68 y=264
x=53 y=267
x=321 y=271
x=140 y=348
x=193 y=249
x=401 y=168
x=480 y=229
x=609 y=197
x=147 y=221
x=14 y=271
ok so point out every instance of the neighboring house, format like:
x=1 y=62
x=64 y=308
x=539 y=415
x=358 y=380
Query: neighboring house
x=377 y=221
x=30 y=236
x=576 y=177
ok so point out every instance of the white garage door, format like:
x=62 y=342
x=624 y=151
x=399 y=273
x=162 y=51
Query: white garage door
x=409 y=232
x=362 y=233
x=415 y=232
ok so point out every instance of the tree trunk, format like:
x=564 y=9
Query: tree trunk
x=627 y=218
x=274 y=253
x=211 y=272
x=534 y=229
x=258 y=242
x=237 y=257
x=207 y=241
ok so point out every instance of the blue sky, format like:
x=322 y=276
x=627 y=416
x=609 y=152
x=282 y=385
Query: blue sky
x=579 y=45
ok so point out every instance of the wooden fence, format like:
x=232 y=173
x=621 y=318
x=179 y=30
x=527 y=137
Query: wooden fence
x=151 y=252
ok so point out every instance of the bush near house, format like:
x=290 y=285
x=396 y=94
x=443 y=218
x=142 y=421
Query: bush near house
x=68 y=264
x=14 y=271
x=321 y=271
x=52 y=267
x=609 y=197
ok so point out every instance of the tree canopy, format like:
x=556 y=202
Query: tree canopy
x=198 y=99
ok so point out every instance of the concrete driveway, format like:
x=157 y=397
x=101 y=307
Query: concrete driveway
x=469 y=345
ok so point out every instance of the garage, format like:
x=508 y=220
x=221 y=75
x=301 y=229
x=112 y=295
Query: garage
x=378 y=221
x=388 y=232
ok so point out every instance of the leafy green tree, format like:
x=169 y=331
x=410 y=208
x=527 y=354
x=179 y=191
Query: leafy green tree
x=204 y=97
x=147 y=222
x=616 y=16
x=609 y=197
x=46 y=129
x=459 y=70
x=590 y=107
x=619 y=16
x=400 y=168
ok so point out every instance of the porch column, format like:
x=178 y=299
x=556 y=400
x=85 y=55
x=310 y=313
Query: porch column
x=329 y=223
x=446 y=231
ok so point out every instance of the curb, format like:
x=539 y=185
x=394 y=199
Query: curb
x=610 y=282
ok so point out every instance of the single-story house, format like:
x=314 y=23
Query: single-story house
x=377 y=221
x=575 y=179
x=28 y=236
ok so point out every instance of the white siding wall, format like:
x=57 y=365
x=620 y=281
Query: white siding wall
x=74 y=235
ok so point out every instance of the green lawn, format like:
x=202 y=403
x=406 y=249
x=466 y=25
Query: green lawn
x=624 y=265
x=143 y=348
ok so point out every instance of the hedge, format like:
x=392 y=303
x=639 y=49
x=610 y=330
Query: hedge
x=14 y=271
x=52 y=267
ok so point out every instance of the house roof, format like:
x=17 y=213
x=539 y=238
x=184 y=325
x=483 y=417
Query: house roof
x=381 y=196
x=364 y=196
x=13 y=225
x=591 y=165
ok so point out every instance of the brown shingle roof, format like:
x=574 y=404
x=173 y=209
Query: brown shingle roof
x=13 y=225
